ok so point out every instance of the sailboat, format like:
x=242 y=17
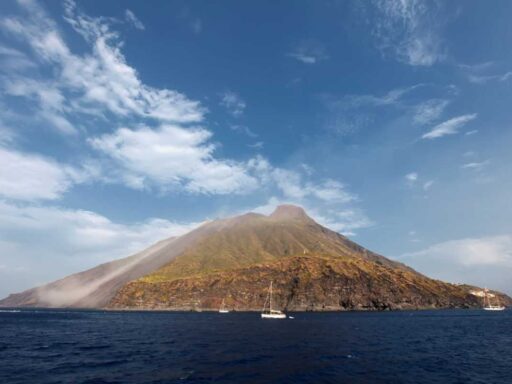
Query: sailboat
x=487 y=302
x=223 y=308
x=271 y=313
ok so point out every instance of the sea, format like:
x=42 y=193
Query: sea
x=78 y=346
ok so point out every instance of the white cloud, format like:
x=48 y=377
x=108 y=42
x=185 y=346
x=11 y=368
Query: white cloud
x=36 y=238
x=428 y=184
x=103 y=84
x=476 y=165
x=354 y=111
x=449 y=127
x=484 y=261
x=49 y=98
x=350 y=113
x=234 y=104
x=101 y=80
x=14 y=60
x=257 y=145
x=243 y=129
x=133 y=20
x=411 y=178
x=293 y=186
x=309 y=52
x=472 y=132
x=482 y=73
x=410 y=30
x=173 y=157
x=392 y=97
x=30 y=177
x=429 y=110
x=473 y=251
x=482 y=79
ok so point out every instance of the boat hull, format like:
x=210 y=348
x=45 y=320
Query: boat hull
x=223 y=311
x=273 y=316
x=494 y=308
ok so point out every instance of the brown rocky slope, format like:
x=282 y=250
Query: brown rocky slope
x=312 y=268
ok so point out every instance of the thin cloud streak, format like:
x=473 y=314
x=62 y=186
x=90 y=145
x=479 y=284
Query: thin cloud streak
x=449 y=127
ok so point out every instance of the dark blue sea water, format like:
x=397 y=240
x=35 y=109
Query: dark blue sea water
x=48 y=346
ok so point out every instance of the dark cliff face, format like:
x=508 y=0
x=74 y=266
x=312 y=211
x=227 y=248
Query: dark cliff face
x=301 y=283
x=312 y=267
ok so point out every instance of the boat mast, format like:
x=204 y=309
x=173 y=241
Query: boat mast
x=270 y=303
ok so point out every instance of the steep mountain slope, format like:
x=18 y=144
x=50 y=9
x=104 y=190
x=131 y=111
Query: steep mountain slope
x=313 y=268
x=253 y=238
x=95 y=287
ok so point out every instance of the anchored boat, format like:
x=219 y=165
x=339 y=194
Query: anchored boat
x=487 y=302
x=271 y=313
x=223 y=308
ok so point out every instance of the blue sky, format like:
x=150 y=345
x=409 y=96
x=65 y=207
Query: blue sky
x=122 y=124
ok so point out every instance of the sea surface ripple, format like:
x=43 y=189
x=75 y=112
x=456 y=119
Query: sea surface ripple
x=68 y=346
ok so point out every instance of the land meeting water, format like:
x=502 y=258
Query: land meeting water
x=66 y=346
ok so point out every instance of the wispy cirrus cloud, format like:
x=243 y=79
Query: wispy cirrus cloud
x=257 y=145
x=428 y=184
x=392 y=97
x=133 y=20
x=243 y=129
x=52 y=103
x=99 y=80
x=476 y=165
x=449 y=127
x=429 y=110
x=408 y=30
x=192 y=21
x=347 y=114
x=485 y=72
x=411 y=178
x=233 y=103
x=309 y=52
x=14 y=60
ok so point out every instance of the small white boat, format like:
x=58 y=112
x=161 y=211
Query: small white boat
x=271 y=313
x=487 y=302
x=223 y=308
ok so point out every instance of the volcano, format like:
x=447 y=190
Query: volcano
x=234 y=259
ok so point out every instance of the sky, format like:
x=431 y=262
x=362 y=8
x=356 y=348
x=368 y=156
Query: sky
x=122 y=124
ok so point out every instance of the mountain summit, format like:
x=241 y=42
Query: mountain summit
x=234 y=259
x=290 y=212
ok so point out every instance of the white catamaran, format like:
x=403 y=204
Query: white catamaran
x=271 y=313
x=487 y=302
x=223 y=308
